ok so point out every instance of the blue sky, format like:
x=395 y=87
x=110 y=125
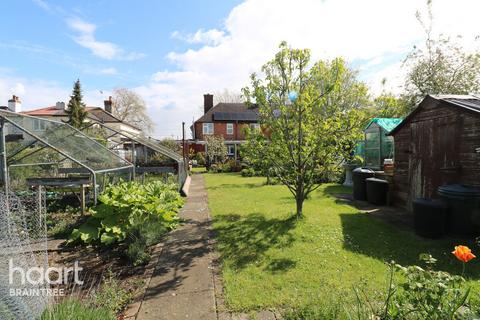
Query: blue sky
x=171 y=52
x=36 y=40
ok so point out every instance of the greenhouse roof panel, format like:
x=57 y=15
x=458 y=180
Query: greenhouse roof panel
x=66 y=140
x=148 y=142
x=386 y=123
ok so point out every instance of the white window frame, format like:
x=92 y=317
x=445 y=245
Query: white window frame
x=229 y=128
x=255 y=126
x=39 y=125
x=207 y=128
x=228 y=149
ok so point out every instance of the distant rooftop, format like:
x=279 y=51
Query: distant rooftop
x=230 y=112
x=94 y=113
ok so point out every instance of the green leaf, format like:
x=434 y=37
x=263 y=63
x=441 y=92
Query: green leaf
x=108 y=239
x=88 y=233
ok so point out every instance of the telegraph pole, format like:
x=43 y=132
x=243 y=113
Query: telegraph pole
x=183 y=146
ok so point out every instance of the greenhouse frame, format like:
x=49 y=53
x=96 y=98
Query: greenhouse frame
x=55 y=152
x=139 y=147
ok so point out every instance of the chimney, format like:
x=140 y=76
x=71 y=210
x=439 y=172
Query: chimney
x=207 y=102
x=108 y=105
x=60 y=105
x=15 y=104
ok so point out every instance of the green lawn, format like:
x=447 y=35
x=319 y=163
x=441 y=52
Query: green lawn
x=199 y=170
x=270 y=259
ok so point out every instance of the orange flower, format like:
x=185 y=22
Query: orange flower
x=463 y=253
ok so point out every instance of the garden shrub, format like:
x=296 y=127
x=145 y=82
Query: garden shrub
x=426 y=293
x=225 y=167
x=137 y=252
x=422 y=293
x=419 y=293
x=214 y=168
x=228 y=166
x=126 y=206
x=111 y=296
x=106 y=303
x=200 y=157
x=140 y=238
x=248 y=172
x=234 y=165
x=75 y=309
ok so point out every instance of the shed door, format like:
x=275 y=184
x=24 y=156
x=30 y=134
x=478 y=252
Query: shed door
x=434 y=157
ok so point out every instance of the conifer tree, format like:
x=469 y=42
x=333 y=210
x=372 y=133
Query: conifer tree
x=76 y=108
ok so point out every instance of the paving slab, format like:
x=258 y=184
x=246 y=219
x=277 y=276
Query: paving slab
x=195 y=305
x=182 y=285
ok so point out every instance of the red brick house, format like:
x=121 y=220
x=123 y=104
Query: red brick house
x=224 y=119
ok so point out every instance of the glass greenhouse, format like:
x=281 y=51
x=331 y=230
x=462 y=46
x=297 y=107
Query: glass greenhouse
x=147 y=155
x=37 y=156
x=37 y=151
x=378 y=145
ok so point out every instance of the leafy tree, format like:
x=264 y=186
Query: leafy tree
x=215 y=149
x=253 y=152
x=311 y=117
x=387 y=105
x=131 y=108
x=440 y=67
x=76 y=108
x=171 y=144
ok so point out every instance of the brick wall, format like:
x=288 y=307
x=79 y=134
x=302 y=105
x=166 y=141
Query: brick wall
x=220 y=129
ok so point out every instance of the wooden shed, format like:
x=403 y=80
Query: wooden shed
x=437 y=144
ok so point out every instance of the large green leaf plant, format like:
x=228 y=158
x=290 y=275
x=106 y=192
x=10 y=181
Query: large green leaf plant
x=126 y=206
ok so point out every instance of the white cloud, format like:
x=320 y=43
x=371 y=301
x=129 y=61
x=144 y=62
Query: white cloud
x=18 y=89
x=33 y=93
x=42 y=4
x=38 y=93
x=82 y=26
x=374 y=34
x=47 y=7
x=377 y=33
x=210 y=37
x=103 y=49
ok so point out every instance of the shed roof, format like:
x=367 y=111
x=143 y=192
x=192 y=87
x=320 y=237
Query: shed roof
x=386 y=123
x=469 y=103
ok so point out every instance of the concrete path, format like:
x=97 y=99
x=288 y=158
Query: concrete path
x=182 y=285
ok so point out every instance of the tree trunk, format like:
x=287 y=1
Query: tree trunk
x=299 y=200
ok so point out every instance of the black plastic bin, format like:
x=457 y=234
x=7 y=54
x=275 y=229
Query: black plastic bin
x=377 y=191
x=359 y=184
x=429 y=218
x=463 y=202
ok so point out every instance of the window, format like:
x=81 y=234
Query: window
x=229 y=128
x=255 y=126
x=230 y=149
x=208 y=128
x=38 y=125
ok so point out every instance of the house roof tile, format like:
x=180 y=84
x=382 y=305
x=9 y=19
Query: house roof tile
x=235 y=111
x=94 y=113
